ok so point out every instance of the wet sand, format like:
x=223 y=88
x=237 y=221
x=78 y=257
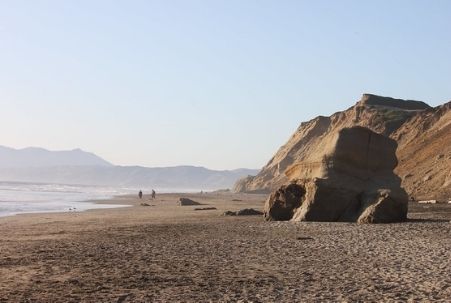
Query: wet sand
x=171 y=253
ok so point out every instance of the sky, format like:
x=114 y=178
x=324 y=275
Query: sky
x=221 y=83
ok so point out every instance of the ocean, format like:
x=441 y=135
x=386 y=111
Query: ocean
x=18 y=198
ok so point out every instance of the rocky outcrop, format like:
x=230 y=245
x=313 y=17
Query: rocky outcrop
x=205 y=208
x=282 y=203
x=374 y=100
x=351 y=180
x=421 y=132
x=187 y=202
x=243 y=212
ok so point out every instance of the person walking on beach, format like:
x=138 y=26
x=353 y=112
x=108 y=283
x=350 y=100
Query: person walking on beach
x=140 y=194
x=153 y=194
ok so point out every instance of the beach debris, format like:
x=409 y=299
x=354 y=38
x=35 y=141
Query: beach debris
x=205 y=208
x=304 y=238
x=433 y=201
x=237 y=200
x=243 y=212
x=145 y=204
x=187 y=202
x=352 y=181
x=428 y=202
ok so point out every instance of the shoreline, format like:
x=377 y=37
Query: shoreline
x=123 y=201
x=75 y=207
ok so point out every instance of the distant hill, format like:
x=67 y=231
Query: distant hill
x=423 y=134
x=39 y=157
x=83 y=168
x=171 y=178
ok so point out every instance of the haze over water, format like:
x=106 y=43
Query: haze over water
x=19 y=198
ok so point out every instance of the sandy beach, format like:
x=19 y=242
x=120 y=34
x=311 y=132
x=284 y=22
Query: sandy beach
x=170 y=253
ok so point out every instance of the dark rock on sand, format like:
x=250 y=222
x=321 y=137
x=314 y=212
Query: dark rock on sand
x=249 y=212
x=205 y=208
x=229 y=213
x=243 y=212
x=352 y=181
x=187 y=202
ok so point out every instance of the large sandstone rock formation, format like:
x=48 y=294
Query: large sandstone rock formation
x=423 y=135
x=350 y=179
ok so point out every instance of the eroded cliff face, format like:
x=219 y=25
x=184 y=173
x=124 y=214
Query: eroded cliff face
x=421 y=132
x=424 y=154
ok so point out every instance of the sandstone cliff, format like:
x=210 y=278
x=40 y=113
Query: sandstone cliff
x=424 y=154
x=423 y=135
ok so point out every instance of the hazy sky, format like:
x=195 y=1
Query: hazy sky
x=220 y=84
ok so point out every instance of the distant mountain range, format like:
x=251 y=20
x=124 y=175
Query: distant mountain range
x=84 y=168
x=39 y=157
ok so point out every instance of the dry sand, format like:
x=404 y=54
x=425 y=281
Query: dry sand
x=170 y=253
